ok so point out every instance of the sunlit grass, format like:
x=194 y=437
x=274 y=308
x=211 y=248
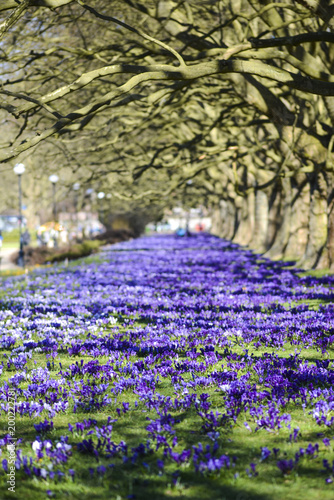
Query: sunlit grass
x=143 y=480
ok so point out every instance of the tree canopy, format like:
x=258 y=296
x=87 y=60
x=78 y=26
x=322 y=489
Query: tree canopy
x=236 y=95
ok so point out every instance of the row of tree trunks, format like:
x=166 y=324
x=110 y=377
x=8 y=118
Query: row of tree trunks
x=330 y=211
x=283 y=217
x=244 y=232
x=294 y=220
x=316 y=253
x=298 y=227
x=261 y=222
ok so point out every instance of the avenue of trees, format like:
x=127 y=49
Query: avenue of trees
x=225 y=103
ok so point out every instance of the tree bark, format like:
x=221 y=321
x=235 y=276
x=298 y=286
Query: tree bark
x=330 y=236
x=259 y=239
x=229 y=220
x=298 y=229
x=246 y=221
x=279 y=219
x=316 y=255
x=217 y=221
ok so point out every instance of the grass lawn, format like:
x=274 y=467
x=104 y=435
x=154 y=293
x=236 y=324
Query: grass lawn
x=11 y=239
x=197 y=333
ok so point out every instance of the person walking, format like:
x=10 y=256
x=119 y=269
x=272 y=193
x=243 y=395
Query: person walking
x=26 y=238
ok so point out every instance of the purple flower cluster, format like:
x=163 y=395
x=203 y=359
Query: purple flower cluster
x=172 y=328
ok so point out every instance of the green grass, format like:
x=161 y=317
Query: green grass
x=76 y=251
x=21 y=271
x=317 y=273
x=144 y=482
x=122 y=481
x=81 y=253
x=11 y=239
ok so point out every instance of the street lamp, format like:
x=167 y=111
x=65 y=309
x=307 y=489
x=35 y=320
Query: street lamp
x=76 y=187
x=100 y=196
x=109 y=196
x=19 y=169
x=188 y=183
x=54 y=179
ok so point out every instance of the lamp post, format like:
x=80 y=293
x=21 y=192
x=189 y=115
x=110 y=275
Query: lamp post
x=19 y=169
x=109 y=196
x=76 y=187
x=87 y=207
x=100 y=196
x=189 y=183
x=54 y=179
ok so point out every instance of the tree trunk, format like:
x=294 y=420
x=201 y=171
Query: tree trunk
x=275 y=216
x=230 y=220
x=259 y=239
x=316 y=255
x=223 y=224
x=300 y=207
x=217 y=221
x=246 y=221
x=280 y=217
x=330 y=203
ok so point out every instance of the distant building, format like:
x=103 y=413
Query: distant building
x=81 y=224
x=10 y=219
x=196 y=219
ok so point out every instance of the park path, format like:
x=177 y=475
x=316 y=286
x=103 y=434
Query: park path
x=5 y=262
